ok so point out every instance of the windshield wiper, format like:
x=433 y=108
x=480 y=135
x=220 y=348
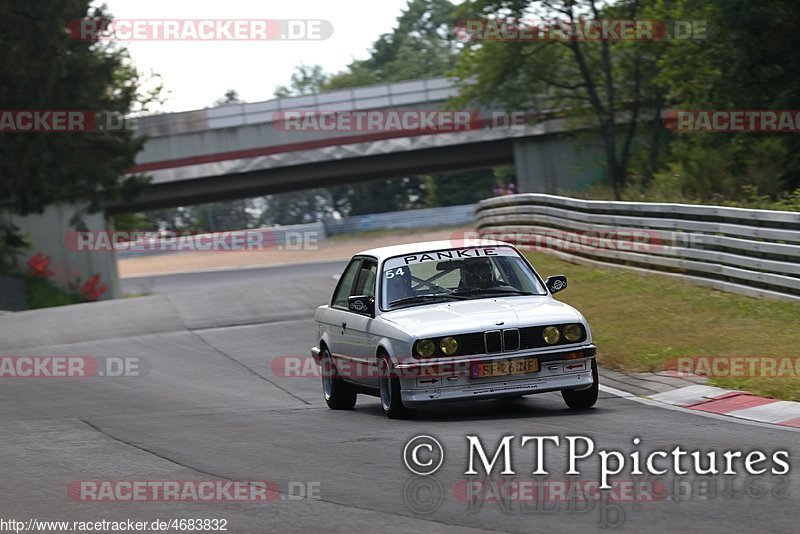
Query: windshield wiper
x=425 y=297
x=495 y=290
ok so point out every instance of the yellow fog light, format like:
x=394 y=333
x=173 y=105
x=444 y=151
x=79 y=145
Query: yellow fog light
x=449 y=346
x=573 y=332
x=426 y=348
x=551 y=335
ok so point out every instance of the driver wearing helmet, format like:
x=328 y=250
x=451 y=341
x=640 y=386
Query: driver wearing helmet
x=477 y=273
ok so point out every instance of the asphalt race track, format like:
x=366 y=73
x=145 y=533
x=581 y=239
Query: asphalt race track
x=189 y=281
x=208 y=405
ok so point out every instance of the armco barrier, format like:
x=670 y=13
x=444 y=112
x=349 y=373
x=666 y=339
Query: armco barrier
x=754 y=252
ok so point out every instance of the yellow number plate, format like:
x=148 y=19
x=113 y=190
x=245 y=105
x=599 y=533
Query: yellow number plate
x=506 y=367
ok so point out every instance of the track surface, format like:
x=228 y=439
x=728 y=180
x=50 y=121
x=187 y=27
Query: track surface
x=171 y=283
x=210 y=406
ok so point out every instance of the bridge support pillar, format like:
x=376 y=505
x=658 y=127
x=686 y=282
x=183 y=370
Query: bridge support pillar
x=68 y=269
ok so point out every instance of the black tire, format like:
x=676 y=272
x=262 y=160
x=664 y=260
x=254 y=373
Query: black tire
x=389 y=387
x=338 y=394
x=582 y=400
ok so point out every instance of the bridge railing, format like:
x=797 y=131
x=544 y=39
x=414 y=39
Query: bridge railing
x=408 y=93
x=754 y=252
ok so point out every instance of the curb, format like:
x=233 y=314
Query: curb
x=691 y=393
x=739 y=404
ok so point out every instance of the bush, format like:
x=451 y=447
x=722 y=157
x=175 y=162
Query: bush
x=42 y=293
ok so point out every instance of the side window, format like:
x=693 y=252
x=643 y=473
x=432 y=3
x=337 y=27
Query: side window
x=345 y=283
x=365 y=284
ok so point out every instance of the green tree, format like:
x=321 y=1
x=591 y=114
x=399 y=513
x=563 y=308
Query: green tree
x=220 y=216
x=422 y=45
x=306 y=80
x=231 y=96
x=43 y=68
x=298 y=207
x=454 y=189
x=604 y=85
x=752 y=63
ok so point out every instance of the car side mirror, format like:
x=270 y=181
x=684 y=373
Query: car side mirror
x=556 y=283
x=363 y=304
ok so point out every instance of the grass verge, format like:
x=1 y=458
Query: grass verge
x=640 y=321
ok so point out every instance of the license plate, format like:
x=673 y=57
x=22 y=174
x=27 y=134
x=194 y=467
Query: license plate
x=506 y=367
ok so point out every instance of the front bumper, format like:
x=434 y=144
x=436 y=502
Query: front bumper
x=556 y=373
x=494 y=390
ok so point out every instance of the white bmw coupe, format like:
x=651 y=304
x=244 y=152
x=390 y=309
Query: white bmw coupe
x=450 y=321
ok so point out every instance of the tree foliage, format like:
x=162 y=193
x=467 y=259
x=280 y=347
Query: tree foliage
x=422 y=45
x=602 y=84
x=42 y=68
x=619 y=88
x=751 y=64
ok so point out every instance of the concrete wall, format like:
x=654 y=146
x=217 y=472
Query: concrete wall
x=46 y=233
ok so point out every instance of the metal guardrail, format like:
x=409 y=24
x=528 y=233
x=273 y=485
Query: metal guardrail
x=754 y=252
x=419 y=218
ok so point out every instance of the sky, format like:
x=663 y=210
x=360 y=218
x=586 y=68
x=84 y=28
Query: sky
x=195 y=74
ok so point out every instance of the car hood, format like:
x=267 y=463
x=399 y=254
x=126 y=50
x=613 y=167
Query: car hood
x=481 y=314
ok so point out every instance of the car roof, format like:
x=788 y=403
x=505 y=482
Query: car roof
x=429 y=246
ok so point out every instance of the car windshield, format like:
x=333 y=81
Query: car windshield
x=456 y=274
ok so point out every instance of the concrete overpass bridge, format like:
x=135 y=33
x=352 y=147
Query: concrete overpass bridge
x=244 y=150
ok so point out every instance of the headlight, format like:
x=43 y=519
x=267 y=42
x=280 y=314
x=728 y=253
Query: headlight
x=573 y=332
x=426 y=348
x=551 y=335
x=449 y=346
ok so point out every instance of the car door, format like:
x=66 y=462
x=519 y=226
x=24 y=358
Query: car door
x=335 y=317
x=359 y=342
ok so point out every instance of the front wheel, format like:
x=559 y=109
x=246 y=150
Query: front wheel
x=581 y=400
x=338 y=394
x=389 y=387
